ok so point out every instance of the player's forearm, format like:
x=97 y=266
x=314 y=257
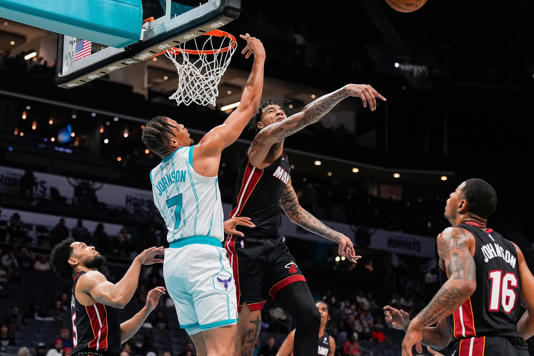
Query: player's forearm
x=304 y=219
x=525 y=326
x=132 y=325
x=434 y=338
x=318 y=108
x=124 y=289
x=450 y=296
x=251 y=97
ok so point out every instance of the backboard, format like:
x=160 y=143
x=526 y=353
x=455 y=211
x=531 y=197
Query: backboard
x=80 y=61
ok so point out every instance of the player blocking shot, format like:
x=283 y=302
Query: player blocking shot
x=263 y=265
x=479 y=306
x=185 y=187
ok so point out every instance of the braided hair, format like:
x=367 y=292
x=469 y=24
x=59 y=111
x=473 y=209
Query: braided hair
x=156 y=135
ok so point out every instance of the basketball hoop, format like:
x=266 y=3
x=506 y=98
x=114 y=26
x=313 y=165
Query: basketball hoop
x=201 y=69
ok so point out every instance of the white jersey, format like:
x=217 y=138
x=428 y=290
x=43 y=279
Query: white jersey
x=189 y=203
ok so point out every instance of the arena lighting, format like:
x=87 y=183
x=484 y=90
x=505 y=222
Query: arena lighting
x=52 y=139
x=106 y=141
x=317 y=163
x=24 y=115
x=51 y=121
x=30 y=55
x=355 y=170
x=338 y=258
x=165 y=77
x=397 y=65
x=147 y=151
x=342 y=258
x=329 y=174
x=444 y=178
x=313 y=96
x=74 y=116
x=229 y=92
x=93 y=114
x=28 y=107
x=230 y=106
x=292 y=166
x=396 y=175
x=34 y=125
x=72 y=134
x=125 y=134
x=21 y=133
x=115 y=119
x=12 y=43
x=119 y=159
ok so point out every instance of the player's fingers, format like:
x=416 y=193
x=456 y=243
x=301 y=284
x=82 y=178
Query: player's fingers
x=406 y=350
x=419 y=347
x=364 y=100
x=244 y=50
x=378 y=95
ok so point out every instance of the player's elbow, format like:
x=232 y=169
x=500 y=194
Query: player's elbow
x=467 y=287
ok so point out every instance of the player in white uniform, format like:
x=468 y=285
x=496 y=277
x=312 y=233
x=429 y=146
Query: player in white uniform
x=196 y=269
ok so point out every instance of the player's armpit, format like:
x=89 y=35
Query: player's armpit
x=525 y=326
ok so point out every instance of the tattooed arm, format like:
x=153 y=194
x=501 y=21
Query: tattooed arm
x=303 y=218
x=456 y=248
x=275 y=133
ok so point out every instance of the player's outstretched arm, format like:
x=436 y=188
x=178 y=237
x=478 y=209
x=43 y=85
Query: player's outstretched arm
x=455 y=249
x=525 y=326
x=119 y=294
x=132 y=325
x=303 y=218
x=224 y=135
x=437 y=336
x=286 y=349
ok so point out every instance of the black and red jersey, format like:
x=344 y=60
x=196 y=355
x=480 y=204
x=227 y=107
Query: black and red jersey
x=494 y=308
x=259 y=196
x=95 y=328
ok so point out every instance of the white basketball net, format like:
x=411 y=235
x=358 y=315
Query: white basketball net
x=199 y=74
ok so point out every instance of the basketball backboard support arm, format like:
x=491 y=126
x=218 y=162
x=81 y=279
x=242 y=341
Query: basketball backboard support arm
x=157 y=36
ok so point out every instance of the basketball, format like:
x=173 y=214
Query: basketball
x=406 y=5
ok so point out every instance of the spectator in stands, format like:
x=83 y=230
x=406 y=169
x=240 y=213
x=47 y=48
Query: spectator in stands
x=59 y=232
x=6 y=337
x=16 y=229
x=57 y=349
x=9 y=260
x=27 y=185
x=40 y=350
x=270 y=348
x=67 y=351
x=59 y=314
x=24 y=351
x=377 y=334
x=80 y=232
x=189 y=348
x=101 y=239
x=64 y=335
x=41 y=264
x=14 y=320
x=26 y=258
x=352 y=346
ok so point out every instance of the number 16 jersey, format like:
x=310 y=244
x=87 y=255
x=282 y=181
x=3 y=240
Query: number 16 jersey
x=189 y=203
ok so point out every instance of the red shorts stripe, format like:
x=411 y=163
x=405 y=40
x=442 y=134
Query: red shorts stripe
x=285 y=282
x=473 y=346
x=256 y=306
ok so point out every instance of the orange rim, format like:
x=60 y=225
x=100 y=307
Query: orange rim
x=215 y=33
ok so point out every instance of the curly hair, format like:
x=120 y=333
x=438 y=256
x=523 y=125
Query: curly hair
x=156 y=134
x=253 y=124
x=59 y=259
x=481 y=197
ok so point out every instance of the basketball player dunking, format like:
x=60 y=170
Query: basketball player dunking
x=326 y=343
x=186 y=192
x=479 y=304
x=95 y=301
x=262 y=264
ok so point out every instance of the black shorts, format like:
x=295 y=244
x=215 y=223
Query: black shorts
x=491 y=345
x=262 y=267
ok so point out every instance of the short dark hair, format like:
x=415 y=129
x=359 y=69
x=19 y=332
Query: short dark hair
x=253 y=124
x=59 y=259
x=156 y=135
x=481 y=197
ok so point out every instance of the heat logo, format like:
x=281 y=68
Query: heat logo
x=291 y=267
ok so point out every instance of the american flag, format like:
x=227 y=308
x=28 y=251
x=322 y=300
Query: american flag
x=82 y=50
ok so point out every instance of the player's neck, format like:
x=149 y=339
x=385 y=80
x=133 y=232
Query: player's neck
x=321 y=330
x=472 y=220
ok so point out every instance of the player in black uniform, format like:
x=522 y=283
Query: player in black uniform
x=95 y=325
x=261 y=261
x=326 y=343
x=479 y=304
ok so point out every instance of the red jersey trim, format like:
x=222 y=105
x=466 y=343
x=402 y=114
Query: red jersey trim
x=464 y=321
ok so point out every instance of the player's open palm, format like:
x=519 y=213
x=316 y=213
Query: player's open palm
x=151 y=255
x=152 y=298
x=367 y=93
x=346 y=249
x=254 y=46
x=396 y=318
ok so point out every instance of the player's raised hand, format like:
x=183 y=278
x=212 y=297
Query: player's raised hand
x=346 y=249
x=148 y=256
x=254 y=46
x=231 y=224
x=153 y=296
x=367 y=93
x=396 y=318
